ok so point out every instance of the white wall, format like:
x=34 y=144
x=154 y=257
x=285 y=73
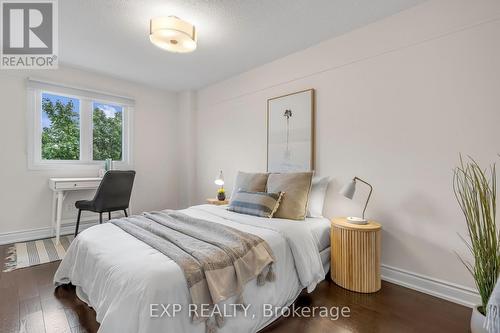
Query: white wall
x=186 y=144
x=397 y=101
x=25 y=199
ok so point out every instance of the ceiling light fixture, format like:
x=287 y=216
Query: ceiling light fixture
x=173 y=34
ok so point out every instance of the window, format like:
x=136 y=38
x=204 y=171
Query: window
x=107 y=132
x=60 y=127
x=77 y=127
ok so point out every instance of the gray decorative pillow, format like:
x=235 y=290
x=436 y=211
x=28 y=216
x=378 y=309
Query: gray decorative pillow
x=261 y=204
x=296 y=187
x=253 y=182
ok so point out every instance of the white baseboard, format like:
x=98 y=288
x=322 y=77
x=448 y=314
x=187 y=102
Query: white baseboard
x=67 y=228
x=435 y=287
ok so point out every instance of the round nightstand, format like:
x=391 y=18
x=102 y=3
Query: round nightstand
x=217 y=202
x=356 y=255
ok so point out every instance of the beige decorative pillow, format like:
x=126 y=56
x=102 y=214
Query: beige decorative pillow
x=253 y=182
x=296 y=187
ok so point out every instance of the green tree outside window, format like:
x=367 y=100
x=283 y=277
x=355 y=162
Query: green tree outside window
x=107 y=132
x=60 y=128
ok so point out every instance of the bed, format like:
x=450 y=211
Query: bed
x=127 y=282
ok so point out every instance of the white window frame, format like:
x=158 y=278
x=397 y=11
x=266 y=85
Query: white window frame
x=87 y=98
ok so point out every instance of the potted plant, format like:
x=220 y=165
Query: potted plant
x=221 y=194
x=475 y=190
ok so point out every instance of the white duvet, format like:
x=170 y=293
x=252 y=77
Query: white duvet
x=125 y=280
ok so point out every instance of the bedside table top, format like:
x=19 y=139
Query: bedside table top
x=215 y=201
x=342 y=223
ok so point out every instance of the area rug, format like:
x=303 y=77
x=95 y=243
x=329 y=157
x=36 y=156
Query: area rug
x=26 y=254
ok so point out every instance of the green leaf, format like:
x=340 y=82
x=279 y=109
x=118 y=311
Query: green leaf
x=475 y=191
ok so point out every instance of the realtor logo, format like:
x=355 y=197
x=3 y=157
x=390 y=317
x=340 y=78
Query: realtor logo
x=29 y=34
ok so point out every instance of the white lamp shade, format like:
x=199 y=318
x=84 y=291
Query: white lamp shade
x=348 y=189
x=220 y=180
x=173 y=34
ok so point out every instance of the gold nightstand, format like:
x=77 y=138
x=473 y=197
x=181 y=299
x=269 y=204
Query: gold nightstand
x=356 y=255
x=217 y=202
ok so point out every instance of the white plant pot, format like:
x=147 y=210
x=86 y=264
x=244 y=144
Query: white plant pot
x=477 y=321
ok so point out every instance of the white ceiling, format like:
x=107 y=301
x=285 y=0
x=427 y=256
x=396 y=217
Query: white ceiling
x=111 y=36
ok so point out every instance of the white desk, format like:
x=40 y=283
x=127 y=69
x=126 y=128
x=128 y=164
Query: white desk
x=60 y=186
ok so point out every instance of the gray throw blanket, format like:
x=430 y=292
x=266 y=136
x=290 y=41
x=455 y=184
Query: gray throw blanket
x=492 y=323
x=217 y=260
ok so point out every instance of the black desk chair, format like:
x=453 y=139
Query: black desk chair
x=112 y=195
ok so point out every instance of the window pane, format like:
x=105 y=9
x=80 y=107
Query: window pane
x=107 y=132
x=60 y=127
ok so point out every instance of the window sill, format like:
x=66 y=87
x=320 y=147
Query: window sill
x=70 y=165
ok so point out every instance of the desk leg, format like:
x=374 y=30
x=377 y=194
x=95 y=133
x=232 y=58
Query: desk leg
x=54 y=210
x=60 y=199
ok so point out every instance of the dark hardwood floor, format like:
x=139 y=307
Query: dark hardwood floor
x=28 y=300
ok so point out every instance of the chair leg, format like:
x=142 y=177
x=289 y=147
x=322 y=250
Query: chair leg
x=125 y=211
x=100 y=218
x=109 y=216
x=78 y=221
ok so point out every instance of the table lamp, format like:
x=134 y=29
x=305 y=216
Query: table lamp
x=348 y=191
x=221 y=194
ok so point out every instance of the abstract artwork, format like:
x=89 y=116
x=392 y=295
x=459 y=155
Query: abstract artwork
x=290 y=132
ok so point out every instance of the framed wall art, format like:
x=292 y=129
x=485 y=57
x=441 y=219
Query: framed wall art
x=290 y=132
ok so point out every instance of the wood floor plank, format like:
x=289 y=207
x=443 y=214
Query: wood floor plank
x=27 y=280
x=76 y=310
x=79 y=329
x=54 y=316
x=45 y=273
x=72 y=317
x=55 y=321
x=9 y=310
x=31 y=316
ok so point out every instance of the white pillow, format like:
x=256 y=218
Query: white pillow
x=317 y=196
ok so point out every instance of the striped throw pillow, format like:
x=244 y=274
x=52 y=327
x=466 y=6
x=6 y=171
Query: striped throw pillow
x=261 y=204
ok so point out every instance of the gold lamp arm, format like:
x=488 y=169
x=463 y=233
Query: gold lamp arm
x=369 y=194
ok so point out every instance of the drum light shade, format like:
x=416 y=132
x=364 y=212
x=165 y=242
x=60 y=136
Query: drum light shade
x=173 y=34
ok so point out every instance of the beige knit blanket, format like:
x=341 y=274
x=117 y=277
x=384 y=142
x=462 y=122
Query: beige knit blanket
x=217 y=260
